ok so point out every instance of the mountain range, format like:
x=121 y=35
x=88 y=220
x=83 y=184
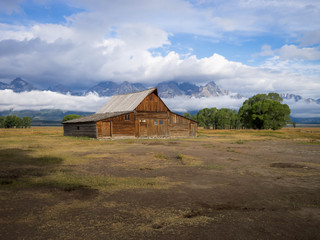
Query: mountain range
x=168 y=89
x=108 y=88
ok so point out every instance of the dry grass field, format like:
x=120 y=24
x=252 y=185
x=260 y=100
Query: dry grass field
x=224 y=184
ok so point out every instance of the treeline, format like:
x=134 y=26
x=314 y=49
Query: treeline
x=262 y=111
x=223 y=118
x=13 y=121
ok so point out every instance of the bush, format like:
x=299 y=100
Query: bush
x=264 y=112
x=70 y=117
x=12 y=121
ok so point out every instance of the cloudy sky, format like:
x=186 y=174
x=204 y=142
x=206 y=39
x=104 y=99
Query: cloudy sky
x=245 y=46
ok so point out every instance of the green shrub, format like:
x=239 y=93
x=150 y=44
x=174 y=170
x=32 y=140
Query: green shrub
x=70 y=117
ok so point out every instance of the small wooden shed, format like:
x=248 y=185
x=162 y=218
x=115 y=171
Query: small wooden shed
x=138 y=115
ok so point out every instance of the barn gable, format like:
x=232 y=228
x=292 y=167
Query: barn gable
x=152 y=103
x=126 y=102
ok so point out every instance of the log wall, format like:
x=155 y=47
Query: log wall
x=181 y=127
x=123 y=125
x=80 y=130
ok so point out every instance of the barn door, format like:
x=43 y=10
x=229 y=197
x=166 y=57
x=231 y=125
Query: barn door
x=143 y=128
x=193 y=129
x=106 y=129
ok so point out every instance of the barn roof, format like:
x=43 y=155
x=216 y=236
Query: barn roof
x=95 y=117
x=126 y=102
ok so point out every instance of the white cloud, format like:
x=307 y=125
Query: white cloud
x=293 y=52
x=14 y=32
x=36 y=100
x=187 y=104
x=310 y=38
x=302 y=109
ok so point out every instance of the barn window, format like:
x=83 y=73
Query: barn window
x=160 y=122
x=127 y=117
x=155 y=122
x=78 y=127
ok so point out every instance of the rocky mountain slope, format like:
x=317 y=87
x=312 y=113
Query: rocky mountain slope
x=18 y=85
x=297 y=98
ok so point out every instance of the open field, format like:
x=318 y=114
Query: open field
x=224 y=184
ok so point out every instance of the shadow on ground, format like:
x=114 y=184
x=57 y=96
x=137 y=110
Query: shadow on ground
x=19 y=169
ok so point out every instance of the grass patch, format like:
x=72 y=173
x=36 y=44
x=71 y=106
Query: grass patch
x=161 y=156
x=180 y=156
x=70 y=182
x=21 y=158
x=311 y=142
x=189 y=160
x=239 y=142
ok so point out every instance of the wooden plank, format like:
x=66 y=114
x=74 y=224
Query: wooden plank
x=80 y=130
x=152 y=103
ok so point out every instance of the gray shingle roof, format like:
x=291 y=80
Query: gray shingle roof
x=95 y=117
x=125 y=102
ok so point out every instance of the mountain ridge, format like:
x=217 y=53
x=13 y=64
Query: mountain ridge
x=169 y=89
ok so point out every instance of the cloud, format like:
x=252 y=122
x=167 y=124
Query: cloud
x=121 y=59
x=116 y=40
x=310 y=38
x=36 y=100
x=212 y=18
x=10 y=6
x=187 y=104
x=302 y=109
x=293 y=52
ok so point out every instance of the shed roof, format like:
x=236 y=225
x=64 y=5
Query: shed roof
x=126 y=102
x=95 y=117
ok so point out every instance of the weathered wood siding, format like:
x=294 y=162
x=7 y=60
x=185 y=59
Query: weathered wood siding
x=152 y=127
x=117 y=126
x=181 y=127
x=193 y=129
x=80 y=130
x=151 y=124
x=152 y=103
x=104 y=129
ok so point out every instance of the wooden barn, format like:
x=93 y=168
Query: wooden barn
x=137 y=115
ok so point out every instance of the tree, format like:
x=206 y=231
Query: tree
x=206 y=117
x=26 y=122
x=2 y=120
x=70 y=117
x=264 y=112
x=12 y=121
x=226 y=118
x=187 y=115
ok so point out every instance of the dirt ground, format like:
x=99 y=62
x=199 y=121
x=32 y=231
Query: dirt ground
x=220 y=185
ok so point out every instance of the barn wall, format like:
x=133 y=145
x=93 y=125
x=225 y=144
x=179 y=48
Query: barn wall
x=122 y=127
x=80 y=130
x=151 y=124
x=181 y=127
x=152 y=103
